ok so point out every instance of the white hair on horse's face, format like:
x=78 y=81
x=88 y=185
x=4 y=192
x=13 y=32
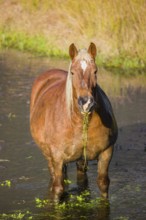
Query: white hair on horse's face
x=83 y=65
x=84 y=58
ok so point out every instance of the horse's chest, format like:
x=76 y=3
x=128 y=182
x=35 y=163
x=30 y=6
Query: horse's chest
x=97 y=140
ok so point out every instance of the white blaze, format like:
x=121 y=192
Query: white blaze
x=83 y=65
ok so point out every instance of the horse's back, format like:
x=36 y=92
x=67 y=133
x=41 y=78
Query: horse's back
x=44 y=82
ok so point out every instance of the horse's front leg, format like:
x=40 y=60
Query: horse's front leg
x=103 y=180
x=57 y=178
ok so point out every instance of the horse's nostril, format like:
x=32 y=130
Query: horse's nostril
x=86 y=103
x=82 y=100
x=91 y=100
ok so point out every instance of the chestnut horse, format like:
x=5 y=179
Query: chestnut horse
x=58 y=101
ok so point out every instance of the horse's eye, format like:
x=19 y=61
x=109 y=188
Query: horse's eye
x=72 y=73
x=95 y=72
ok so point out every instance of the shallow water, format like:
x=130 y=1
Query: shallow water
x=22 y=163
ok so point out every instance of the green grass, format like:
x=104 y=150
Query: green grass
x=39 y=46
x=47 y=28
x=36 y=44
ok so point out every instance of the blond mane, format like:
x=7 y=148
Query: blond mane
x=83 y=55
x=69 y=92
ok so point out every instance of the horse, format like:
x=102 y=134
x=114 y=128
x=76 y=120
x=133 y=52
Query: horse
x=59 y=101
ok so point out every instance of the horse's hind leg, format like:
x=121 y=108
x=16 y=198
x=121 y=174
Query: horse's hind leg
x=103 y=180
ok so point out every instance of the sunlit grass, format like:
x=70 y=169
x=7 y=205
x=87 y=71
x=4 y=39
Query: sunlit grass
x=48 y=28
x=36 y=44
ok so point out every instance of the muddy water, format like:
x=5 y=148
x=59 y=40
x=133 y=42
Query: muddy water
x=22 y=163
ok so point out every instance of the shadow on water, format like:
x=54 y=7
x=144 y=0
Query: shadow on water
x=25 y=194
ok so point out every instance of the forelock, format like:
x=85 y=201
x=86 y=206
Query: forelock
x=83 y=55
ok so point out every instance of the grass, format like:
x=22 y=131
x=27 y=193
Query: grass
x=47 y=28
x=36 y=44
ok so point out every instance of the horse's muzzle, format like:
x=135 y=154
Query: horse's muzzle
x=86 y=104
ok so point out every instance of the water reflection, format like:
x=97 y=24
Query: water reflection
x=22 y=163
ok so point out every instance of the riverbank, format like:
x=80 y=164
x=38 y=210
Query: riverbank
x=47 y=28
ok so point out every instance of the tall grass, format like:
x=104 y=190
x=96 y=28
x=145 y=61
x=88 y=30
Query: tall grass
x=117 y=27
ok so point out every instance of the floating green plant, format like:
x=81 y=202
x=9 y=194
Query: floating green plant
x=6 y=183
x=67 y=181
x=121 y=218
x=18 y=214
x=11 y=116
x=41 y=203
x=82 y=201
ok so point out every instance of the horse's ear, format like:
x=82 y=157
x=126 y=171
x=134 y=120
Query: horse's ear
x=73 y=51
x=92 y=50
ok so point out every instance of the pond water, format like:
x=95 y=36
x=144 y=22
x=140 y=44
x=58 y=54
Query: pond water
x=23 y=165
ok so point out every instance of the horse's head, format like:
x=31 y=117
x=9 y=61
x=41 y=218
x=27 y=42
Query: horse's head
x=83 y=75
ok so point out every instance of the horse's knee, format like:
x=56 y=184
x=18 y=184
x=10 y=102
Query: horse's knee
x=57 y=188
x=103 y=184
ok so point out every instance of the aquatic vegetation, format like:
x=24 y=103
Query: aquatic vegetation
x=6 y=183
x=29 y=157
x=82 y=201
x=40 y=203
x=121 y=218
x=17 y=215
x=67 y=181
x=11 y=116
